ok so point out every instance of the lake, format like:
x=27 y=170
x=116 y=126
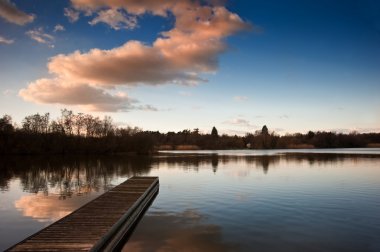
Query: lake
x=245 y=200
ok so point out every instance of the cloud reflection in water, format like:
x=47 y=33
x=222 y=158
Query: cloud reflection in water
x=48 y=208
x=185 y=231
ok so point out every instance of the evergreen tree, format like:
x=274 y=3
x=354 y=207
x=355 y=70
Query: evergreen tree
x=214 y=132
x=264 y=130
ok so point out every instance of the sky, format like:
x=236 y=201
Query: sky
x=171 y=65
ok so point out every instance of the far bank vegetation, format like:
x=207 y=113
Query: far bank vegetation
x=78 y=133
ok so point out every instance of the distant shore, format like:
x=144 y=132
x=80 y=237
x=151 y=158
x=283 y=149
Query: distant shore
x=85 y=134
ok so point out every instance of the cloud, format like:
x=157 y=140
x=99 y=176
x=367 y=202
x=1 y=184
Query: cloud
x=181 y=55
x=47 y=91
x=6 y=41
x=131 y=64
x=71 y=14
x=240 y=125
x=178 y=56
x=240 y=98
x=240 y=122
x=59 y=27
x=41 y=37
x=115 y=18
x=9 y=12
x=135 y=7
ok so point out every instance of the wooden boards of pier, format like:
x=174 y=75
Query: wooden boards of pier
x=100 y=225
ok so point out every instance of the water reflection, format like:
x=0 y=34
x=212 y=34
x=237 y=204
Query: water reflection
x=208 y=202
x=195 y=161
x=214 y=163
x=80 y=175
x=184 y=231
x=66 y=176
x=45 y=208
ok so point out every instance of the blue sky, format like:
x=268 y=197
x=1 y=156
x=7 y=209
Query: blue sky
x=294 y=66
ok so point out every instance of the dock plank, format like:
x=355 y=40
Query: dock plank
x=101 y=224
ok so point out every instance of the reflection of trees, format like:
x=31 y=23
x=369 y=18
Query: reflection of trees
x=5 y=176
x=69 y=175
x=214 y=163
x=195 y=162
x=325 y=158
x=263 y=162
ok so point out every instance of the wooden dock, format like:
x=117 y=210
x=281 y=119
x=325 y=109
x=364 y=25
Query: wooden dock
x=101 y=225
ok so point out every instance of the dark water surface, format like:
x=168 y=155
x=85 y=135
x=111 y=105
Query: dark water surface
x=210 y=201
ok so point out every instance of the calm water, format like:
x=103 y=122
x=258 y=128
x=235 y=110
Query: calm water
x=211 y=201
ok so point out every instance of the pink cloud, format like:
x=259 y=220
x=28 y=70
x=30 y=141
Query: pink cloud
x=40 y=36
x=130 y=64
x=133 y=7
x=116 y=19
x=50 y=91
x=71 y=14
x=12 y=14
x=181 y=55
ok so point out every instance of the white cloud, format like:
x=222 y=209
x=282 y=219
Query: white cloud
x=181 y=55
x=58 y=28
x=41 y=37
x=71 y=14
x=12 y=14
x=6 y=41
x=115 y=18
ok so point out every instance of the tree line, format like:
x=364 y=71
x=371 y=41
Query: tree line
x=70 y=134
x=264 y=139
x=79 y=133
x=320 y=139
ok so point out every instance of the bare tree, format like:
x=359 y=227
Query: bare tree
x=67 y=119
x=36 y=123
x=79 y=123
x=6 y=124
